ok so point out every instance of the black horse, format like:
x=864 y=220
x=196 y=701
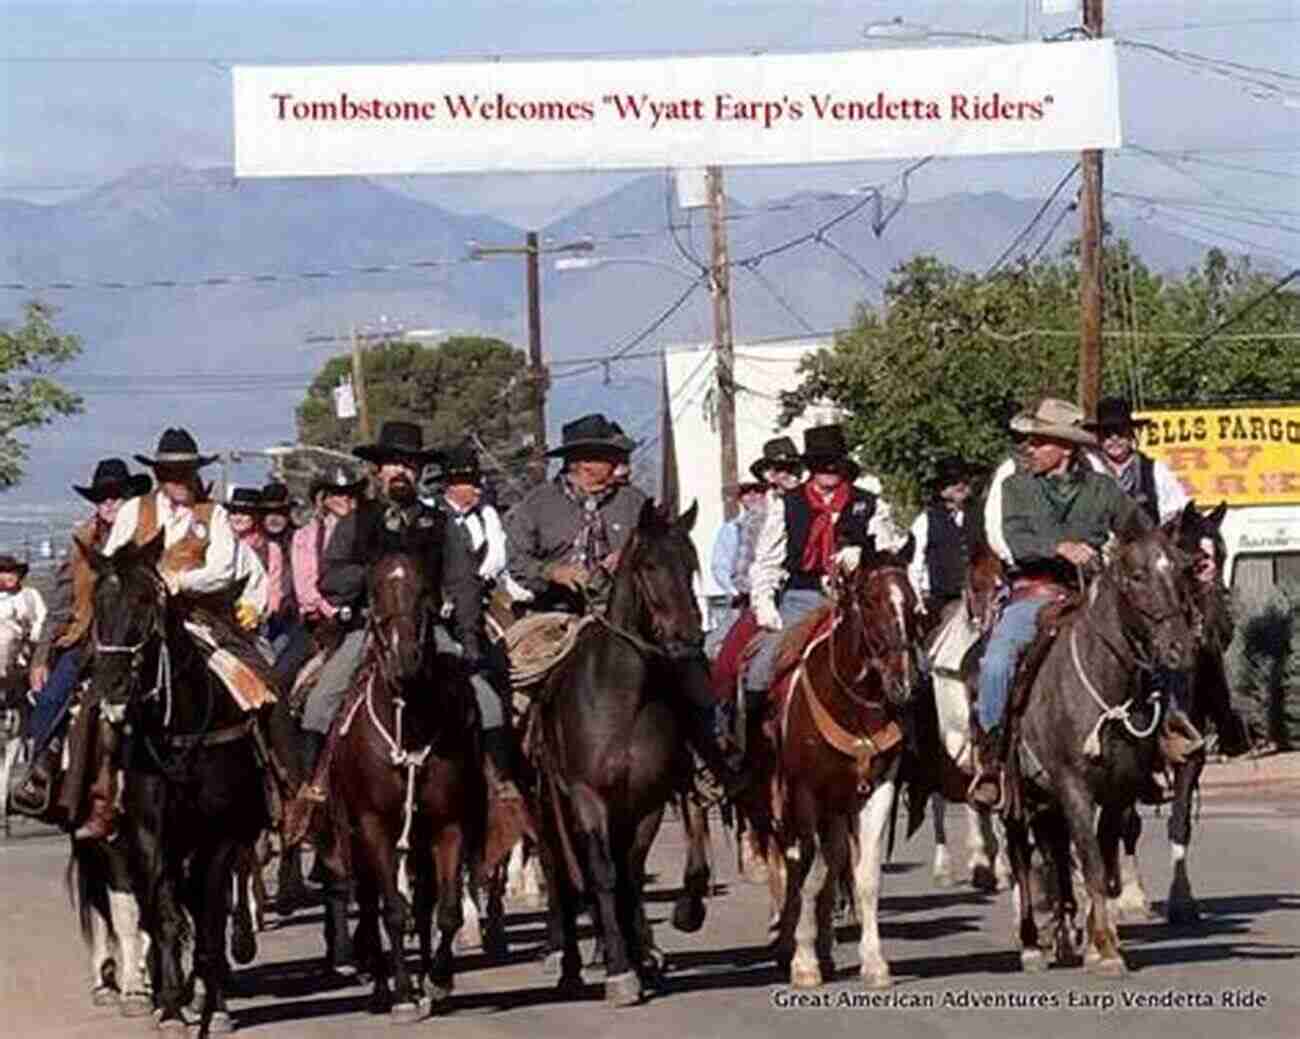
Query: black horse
x=613 y=750
x=193 y=795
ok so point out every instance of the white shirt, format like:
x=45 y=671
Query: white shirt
x=218 y=570
x=257 y=589
x=483 y=523
x=1171 y=496
x=25 y=609
x=917 y=571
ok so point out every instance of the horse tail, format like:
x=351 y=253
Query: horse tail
x=86 y=881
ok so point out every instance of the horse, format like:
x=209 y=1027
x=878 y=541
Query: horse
x=1209 y=699
x=410 y=795
x=193 y=793
x=612 y=750
x=836 y=732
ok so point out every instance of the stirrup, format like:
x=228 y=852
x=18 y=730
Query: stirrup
x=983 y=778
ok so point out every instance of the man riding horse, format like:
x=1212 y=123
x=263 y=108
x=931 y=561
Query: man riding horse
x=66 y=640
x=565 y=538
x=1052 y=519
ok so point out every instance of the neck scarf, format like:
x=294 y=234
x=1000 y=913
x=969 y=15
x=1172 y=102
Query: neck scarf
x=591 y=544
x=820 y=546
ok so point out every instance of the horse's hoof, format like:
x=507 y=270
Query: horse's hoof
x=221 y=1023
x=437 y=991
x=1032 y=961
x=656 y=963
x=877 y=976
x=570 y=985
x=467 y=939
x=942 y=877
x=805 y=976
x=405 y=1013
x=982 y=878
x=553 y=964
x=688 y=914
x=1183 y=913
x=623 y=990
x=495 y=945
x=174 y=1027
x=104 y=996
x=1109 y=967
x=243 y=943
x=135 y=1004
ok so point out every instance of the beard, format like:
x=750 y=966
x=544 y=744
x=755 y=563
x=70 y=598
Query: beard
x=401 y=491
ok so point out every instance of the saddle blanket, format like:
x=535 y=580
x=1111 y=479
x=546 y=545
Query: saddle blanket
x=250 y=689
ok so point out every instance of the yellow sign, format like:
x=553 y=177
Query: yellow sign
x=1241 y=455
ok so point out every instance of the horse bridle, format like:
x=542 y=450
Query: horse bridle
x=876 y=654
x=162 y=686
x=674 y=650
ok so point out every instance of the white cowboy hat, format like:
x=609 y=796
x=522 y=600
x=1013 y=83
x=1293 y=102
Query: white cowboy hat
x=1057 y=419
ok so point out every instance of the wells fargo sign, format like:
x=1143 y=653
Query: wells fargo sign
x=1241 y=455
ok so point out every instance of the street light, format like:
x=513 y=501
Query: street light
x=586 y=263
x=899 y=29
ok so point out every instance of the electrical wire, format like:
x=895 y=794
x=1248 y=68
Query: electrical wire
x=1029 y=228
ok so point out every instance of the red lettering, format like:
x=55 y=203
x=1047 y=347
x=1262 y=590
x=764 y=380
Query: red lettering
x=1238 y=457
x=1180 y=458
x=1230 y=483
x=1276 y=484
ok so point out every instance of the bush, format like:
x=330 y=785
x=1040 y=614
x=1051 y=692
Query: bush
x=1263 y=664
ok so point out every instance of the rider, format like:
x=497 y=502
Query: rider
x=565 y=538
x=473 y=554
x=1148 y=481
x=199 y=564
x=938 y=567
x=67 y=628
x=1053 y=517
x=822 y=523
x=396 y=521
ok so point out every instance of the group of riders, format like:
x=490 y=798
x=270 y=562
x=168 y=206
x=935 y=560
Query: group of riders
x=294 y=596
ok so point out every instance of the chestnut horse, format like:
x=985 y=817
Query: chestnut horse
x=834 y=749
x=407 y=786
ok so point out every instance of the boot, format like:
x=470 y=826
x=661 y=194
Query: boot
x=33 y=795
x=986 y=788
x=101 y=820
x=1179 y=738
x=500 y=769
x=702 y=735
x=298 y=812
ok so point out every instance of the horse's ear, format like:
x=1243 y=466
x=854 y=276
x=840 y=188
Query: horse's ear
x=1215 y=517
x=686 y=521
x=908 y=550
x=1135 y=525
x=649 y=518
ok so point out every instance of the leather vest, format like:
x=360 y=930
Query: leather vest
x=91 y=536
x=191 y=550
x=946 y=553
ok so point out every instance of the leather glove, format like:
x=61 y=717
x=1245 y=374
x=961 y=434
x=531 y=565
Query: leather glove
x=849 y=558
x=569 y=575
x=246 y=615
x=766 y=615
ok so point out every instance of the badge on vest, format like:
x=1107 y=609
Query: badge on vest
x=200 y=530
x=859 y=507
x=424 y=521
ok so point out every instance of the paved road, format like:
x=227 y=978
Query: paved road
x=950 y=948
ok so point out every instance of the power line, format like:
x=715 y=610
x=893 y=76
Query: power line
x=786 y=305
x=1232 y=319
x=1029 y=228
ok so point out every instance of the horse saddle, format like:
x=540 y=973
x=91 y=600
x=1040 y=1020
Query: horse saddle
x=537 y=643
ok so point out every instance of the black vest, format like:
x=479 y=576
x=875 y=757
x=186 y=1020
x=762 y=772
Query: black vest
x=850 y=529
x=946 y=553
x=1147 y=497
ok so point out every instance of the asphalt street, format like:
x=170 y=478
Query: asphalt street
x=956 y=968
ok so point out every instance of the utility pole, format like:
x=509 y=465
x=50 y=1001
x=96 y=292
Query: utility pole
x=537 y=464
x=359 y=389
x=1090 y=255
x=723 y=347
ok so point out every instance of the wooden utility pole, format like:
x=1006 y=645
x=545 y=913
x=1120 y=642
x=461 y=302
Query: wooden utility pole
x=723 y=347
x=359 y=389
x=537 y=464
x=1090 y=255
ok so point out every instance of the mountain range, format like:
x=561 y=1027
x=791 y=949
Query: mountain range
x=208 y=302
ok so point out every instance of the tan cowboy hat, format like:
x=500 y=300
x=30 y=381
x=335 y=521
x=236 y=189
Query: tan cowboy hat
x=1057 y=419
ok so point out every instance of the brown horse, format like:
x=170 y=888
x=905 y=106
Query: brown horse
x=408 y=789
x=836 y=736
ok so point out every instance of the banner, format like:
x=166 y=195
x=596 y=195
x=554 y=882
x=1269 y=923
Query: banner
x=1241 y=455
x=733 y=110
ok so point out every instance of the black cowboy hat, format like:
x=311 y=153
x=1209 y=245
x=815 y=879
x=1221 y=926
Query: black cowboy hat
x=275 y=497
x=624 y=442
x=338 y=479
x=590 y=433
x=177 y=447
x=826 y=450
x=460 y=464
x=398 y=440
x=244 y=500
x=779 y=451
x=13 y=565
x=950 y=470
x=112 y=479
x=1115 y=412
x=739 y=490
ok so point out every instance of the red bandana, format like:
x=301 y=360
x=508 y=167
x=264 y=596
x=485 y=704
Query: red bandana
x=820 y=546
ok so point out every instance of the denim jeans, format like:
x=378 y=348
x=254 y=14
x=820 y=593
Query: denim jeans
x=52 y=701
x=795 y=605
x=1015 y=630
x=335 y=677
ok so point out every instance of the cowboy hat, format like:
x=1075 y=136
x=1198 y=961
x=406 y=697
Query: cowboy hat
x=12 y=565
x=826 y=450
x=739 y=490
x=624 y=442
x=177 y=447
x=112 y=479
x=244 y=500
x=397 y=440
x=460 y=464
x=950 y=470
x=338 y=479
x=1115 y=412
x=275 y=497
x=590 y=433
x=1055 y=419
x=779 y=451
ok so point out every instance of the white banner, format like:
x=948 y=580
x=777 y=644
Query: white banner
x=735 y=110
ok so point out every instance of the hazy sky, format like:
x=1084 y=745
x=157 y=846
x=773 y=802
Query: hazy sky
x=93 y=89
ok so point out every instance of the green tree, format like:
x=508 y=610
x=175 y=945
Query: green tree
x=951 y=355
x=465 y=386
x=28 y=397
